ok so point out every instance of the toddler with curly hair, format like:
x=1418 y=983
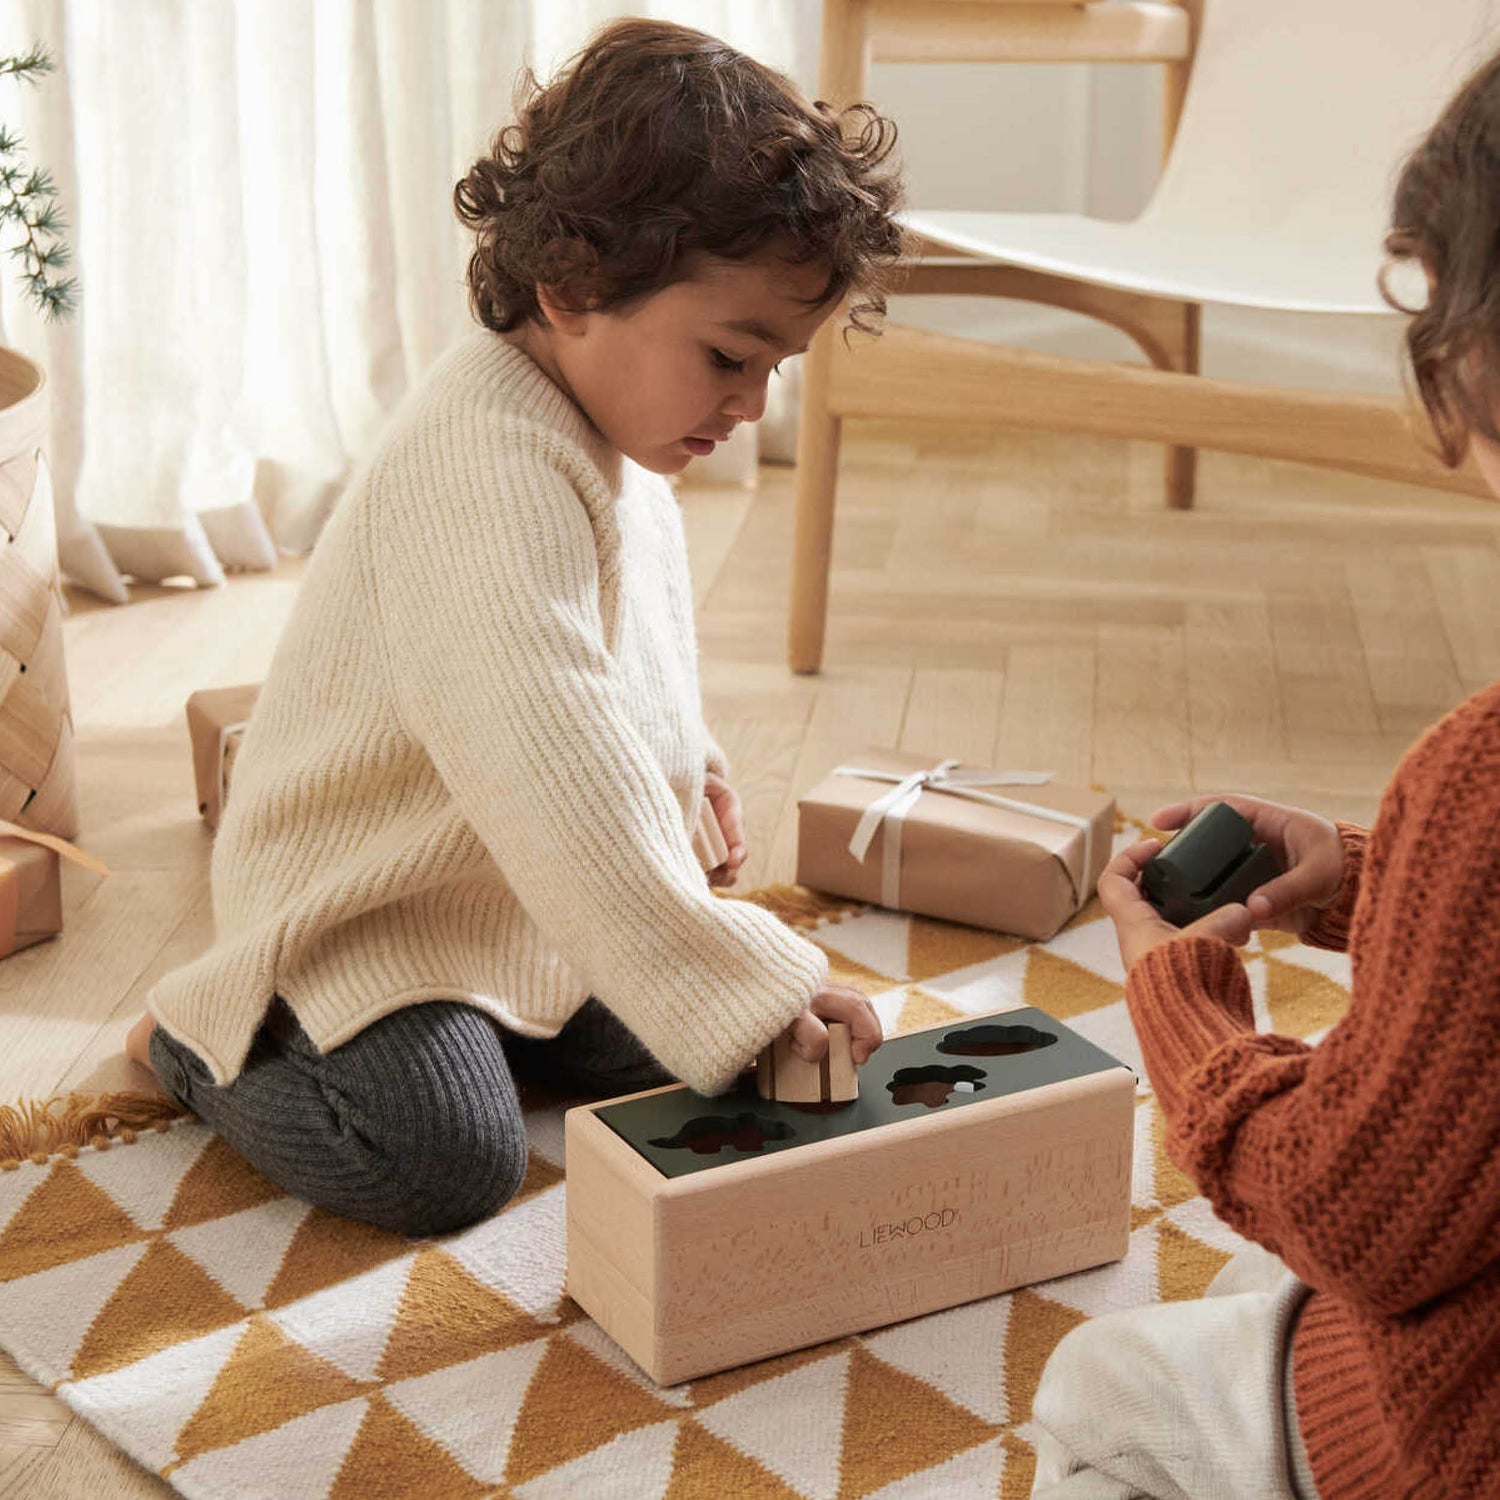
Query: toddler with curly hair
x=459 y=846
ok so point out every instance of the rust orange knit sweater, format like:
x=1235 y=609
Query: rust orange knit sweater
x=1371 y=1163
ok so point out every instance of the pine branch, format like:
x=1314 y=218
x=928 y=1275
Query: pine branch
x=28 y=201
x=30 y=66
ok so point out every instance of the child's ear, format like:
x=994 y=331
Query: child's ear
x=562 y=314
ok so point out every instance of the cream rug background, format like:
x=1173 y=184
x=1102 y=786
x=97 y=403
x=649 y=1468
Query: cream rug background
x=245 y=1345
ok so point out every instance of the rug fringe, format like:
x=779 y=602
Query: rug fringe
x=799 y=907
x=34 y=1130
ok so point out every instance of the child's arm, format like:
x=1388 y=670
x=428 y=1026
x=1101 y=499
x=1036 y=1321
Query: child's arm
x=489 y=601
x=1371 y=1164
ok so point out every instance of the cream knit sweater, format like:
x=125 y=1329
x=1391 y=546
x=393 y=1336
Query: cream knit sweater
x=474 y=765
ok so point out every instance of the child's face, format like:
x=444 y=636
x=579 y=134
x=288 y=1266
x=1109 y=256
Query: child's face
x=667 y=377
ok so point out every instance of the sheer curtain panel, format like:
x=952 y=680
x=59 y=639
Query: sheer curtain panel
x=259 y=196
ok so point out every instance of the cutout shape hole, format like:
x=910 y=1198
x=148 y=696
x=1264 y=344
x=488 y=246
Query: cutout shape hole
x=994 y=1040
x=934 y=1085
x=707 y=1135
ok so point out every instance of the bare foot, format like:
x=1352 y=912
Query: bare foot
x=138 y=1042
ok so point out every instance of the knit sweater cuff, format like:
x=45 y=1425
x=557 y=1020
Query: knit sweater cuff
x=709 y=1041
x=1187 y=997
x=1331 y=930
x=1349 y=1448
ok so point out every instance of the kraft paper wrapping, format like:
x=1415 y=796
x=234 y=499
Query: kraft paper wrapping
x=216 y=722
x=961 y=860
x=31 y=885
x=30 y=894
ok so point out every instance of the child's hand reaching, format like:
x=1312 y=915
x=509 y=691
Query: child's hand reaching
x=836 y=1002
x=731 y=815
x=1308 y=847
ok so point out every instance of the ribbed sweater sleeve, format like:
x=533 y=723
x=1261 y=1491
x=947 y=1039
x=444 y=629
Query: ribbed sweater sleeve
x=1371 y=1163
x=489 y=589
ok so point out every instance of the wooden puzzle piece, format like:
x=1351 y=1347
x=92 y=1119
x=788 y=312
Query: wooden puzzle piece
x=708 y=838
x=833 y=1081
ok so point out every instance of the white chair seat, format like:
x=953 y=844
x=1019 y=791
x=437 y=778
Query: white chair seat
x=1278 y=188
x=1193 y=264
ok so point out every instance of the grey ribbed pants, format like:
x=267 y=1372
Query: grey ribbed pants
x=414 y=1124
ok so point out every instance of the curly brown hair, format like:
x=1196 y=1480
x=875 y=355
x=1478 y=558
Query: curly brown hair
x=1446 y=218
x=658 y=145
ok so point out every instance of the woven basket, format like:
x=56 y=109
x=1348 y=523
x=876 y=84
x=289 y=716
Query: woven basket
x=36 y=723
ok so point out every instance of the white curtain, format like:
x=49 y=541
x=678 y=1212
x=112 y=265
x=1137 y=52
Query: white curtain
x=260 y=201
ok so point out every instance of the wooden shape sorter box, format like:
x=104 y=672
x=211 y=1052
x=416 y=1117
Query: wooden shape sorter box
x=981 y=1155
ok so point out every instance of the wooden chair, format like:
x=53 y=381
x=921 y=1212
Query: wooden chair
x=1285 y=122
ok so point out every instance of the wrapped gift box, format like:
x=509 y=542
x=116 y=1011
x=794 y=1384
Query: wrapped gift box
x=216 y=722
x=1013 y=851
x=30 y=894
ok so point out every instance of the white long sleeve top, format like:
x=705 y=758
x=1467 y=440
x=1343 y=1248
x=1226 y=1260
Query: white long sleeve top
x=475 y=763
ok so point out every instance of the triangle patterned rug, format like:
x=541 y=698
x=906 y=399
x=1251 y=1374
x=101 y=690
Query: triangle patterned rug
x=242 y=1344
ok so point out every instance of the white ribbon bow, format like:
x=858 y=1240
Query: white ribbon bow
x=891 y=808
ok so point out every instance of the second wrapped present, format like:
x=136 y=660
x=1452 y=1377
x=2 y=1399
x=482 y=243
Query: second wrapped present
x=31 y=886
x=1010 y=850
x=216 y=724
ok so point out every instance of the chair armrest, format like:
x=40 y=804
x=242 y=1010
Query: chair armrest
x=1143 y=31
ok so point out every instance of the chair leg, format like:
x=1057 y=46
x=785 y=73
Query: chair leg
x=1182 y=463
x=817 y=482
